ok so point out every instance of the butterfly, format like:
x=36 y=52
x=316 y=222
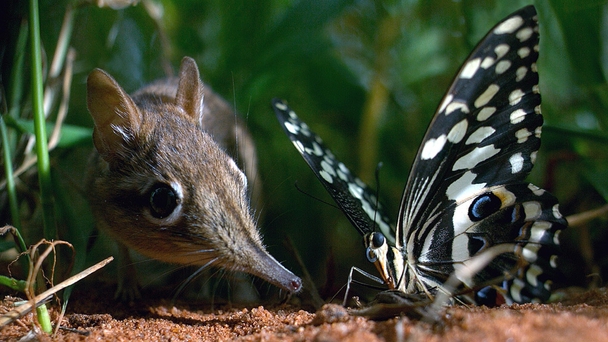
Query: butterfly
x=466 y=193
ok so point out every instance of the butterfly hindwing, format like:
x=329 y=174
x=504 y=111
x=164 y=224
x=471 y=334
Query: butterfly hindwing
x=520 y=215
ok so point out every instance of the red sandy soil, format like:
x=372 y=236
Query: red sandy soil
x=95 y=317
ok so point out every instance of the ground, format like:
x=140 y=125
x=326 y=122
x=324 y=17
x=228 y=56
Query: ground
x=93 y=316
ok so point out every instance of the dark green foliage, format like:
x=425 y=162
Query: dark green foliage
x=328 y=59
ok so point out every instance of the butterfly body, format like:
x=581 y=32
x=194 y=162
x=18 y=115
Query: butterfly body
x=466 y=193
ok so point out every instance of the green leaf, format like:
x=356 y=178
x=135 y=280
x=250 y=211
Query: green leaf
x=70 y=136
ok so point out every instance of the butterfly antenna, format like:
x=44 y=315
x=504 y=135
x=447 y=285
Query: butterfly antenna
x=377 y=177
x=314 y=197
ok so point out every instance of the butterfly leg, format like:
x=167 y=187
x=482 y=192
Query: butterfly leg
x=351 y=280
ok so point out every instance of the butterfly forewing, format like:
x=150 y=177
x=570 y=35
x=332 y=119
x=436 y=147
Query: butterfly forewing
x=488 y=118
x=355 y=198
x=479 y=147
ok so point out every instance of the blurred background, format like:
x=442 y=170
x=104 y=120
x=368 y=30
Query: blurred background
x=367 y=76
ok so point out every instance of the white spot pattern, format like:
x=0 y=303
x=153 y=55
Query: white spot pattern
x=509 y=26
x=533 y=157
x=515 y=289
x=536 y=190
x=315 y=150
x=553 y=261
x=517 y=116
x=293 y=129
x=523 y=52
x=502 y=66
x=501 y=50
x=485 y=113
x=487 y=62
x=355 y=190
x=524 y=34
x=487 y=95
x=343 y=176
x=522 y=135
x=476 y=156
x=556 y=213
x=328 y=168
x=463 y=187
x=299 y=146
x=480 y=135
x=458 y=132
x=556 y=237
x=445 y=102
x=515 y=97
x=453 y=106
x=326 y=176
x=533 y=67
x=517 y=163
x=521 y=73
x=530 y=252
x=470 y=69
x=532 y=209
x=432 y=147
x=281 y=106
x=538 y=230
x=532 y=274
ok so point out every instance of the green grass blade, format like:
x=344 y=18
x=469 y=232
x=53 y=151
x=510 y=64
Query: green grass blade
x=44 y=166
x=15 y=91
x=12 y=283
x=8 y=171
x=44 y=319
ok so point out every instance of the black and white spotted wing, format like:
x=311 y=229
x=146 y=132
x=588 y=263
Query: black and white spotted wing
x=466 y=192
x=355 y=198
